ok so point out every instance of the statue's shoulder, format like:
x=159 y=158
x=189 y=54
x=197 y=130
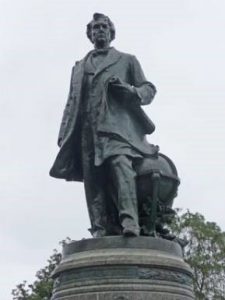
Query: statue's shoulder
x=124 y=54
x=81 y=61
x=128 y=58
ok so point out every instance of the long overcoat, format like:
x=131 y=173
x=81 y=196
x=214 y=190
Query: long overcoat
x=125 y=119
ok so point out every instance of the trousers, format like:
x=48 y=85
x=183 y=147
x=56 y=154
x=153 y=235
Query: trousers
x=114 y=182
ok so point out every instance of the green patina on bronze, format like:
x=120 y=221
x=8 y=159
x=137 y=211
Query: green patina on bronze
x=129 y=185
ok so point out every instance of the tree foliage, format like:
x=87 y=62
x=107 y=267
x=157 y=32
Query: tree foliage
x=42 y=287
x=205 y=253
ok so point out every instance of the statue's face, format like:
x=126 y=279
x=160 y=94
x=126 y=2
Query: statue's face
x=100 y=33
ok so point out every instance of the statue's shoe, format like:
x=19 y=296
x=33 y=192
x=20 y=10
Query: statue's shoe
x=131 y=231
x=99 y=233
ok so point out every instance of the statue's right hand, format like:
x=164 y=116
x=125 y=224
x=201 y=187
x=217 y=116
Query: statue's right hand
x=114 y=80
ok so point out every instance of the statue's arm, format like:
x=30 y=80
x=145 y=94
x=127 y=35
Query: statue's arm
x=66 y=113
x=144 y=89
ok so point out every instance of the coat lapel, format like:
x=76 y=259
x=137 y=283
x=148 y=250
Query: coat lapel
x=112 y=57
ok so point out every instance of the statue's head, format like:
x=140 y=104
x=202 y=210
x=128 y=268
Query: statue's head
x=100 y=30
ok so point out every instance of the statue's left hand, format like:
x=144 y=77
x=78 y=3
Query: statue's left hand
x=114 y=80
x=122 y=88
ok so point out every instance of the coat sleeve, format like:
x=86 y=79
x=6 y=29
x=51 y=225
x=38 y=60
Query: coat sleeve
x=145 y=90
x=66 y=113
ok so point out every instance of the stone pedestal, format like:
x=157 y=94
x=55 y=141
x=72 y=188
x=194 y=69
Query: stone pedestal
x=119 y=268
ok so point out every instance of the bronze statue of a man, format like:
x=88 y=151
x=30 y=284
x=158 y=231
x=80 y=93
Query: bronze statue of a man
x=102 y=134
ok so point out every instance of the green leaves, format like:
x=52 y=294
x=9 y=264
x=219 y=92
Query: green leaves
x=205 y=253
x=42 y=287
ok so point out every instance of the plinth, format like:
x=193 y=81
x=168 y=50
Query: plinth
x=120 y=268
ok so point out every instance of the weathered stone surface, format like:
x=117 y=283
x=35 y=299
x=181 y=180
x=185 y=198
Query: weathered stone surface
x=118 y=268
x=124 y=243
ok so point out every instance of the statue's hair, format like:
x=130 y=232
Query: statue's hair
x=96 y=17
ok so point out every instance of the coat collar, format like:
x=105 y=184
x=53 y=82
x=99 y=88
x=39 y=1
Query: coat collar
x=112 y=57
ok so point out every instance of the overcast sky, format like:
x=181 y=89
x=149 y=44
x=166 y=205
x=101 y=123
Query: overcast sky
x=181 y=47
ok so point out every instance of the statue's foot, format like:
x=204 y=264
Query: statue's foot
x=153 y=233
x=131 y=232
x=162 y=230
x=99 y=233
x=168 y=236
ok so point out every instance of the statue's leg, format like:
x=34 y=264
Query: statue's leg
x=113 y=222
x=93 y=184
x=95 y=198
x=124 y=180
